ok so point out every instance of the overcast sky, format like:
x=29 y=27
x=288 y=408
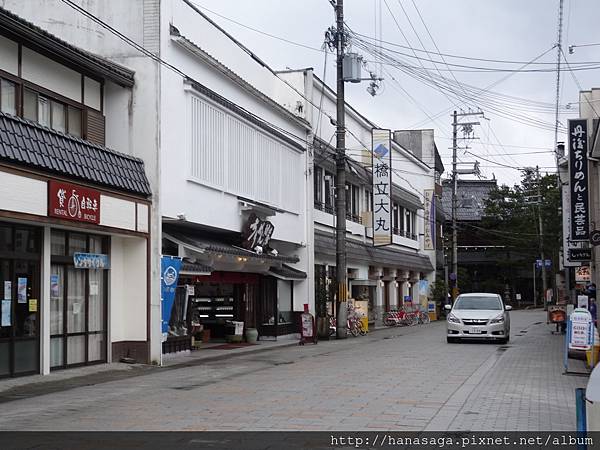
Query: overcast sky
x=511 y=30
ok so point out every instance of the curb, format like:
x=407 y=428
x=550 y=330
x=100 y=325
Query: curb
x=199 y=361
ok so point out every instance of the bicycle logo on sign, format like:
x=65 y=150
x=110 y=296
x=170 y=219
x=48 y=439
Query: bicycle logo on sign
x=73 y=206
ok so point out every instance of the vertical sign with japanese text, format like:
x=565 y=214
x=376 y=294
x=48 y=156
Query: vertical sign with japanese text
x=578 y=177
x=429 y=216
x=382 y=186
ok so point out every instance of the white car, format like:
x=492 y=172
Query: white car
x=478 y=316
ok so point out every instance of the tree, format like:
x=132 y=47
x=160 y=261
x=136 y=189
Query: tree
x=511 y=223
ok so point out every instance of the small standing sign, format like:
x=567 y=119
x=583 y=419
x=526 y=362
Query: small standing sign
x=307 y=327
x=580 y=333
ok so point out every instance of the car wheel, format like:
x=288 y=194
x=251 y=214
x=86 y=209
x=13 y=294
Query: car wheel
x=451 y=340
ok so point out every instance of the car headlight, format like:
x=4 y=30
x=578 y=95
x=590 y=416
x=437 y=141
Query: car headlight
x=498 y=319
x=452 y=318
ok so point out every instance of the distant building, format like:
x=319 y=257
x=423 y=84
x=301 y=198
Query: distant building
x=476 y=249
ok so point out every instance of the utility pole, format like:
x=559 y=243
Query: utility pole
x=467 y=129
x=340 y=246
x=454 y=205
x=541 y=240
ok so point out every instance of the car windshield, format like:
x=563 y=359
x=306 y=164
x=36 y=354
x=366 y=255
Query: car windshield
x=478 y=303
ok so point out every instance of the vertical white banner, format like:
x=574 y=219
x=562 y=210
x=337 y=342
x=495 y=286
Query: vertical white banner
x=382 y=186
x=429 y=220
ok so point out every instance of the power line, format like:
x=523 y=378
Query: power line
x=503 y=61
x=166 y=64
x=264 y=33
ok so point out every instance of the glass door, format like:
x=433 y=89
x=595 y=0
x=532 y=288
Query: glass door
x=78 y=302
x=19 y=300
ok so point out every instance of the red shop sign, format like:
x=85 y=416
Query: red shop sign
x=73 y=202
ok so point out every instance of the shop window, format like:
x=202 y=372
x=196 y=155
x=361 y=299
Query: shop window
x=58 y=243
x=58 y=114
x=26 y=241
x=78 y=302
x=77 y=243
x=284 y=302
x=318 y=180
x=8 y=97
x=369 y=200
x=74 y=122
x=6 y=238
x=329 y=192
x=52 y=113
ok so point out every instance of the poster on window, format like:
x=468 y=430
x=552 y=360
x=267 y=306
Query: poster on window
x=578 y=180
x=54 y=286
x=5 y=313
x=7 y=290
x=22 y=290
x=381 y=157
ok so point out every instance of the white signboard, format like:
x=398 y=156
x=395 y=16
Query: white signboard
x=580 y=336
x=382 y=186
x=583 y=274
x=582 y=301
x=429 y=216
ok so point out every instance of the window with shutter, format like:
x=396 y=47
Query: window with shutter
x=94 y=126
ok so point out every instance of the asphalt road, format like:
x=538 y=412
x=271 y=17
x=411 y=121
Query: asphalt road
x=397 y=379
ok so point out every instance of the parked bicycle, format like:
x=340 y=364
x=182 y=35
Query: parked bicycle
x=354 y=323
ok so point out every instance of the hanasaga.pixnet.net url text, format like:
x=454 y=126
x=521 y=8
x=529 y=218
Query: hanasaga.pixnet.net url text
x=439 y=440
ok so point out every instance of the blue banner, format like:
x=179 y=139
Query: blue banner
x=169 y=274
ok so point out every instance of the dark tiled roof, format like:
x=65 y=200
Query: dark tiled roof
x=188 y=267
x=389 y=256
x=197 y=243
x=29 y=144
x=471 y=196
x=40 y=40
x=286 y=271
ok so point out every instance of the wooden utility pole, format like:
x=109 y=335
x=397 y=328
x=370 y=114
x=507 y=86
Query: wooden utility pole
x=340 y=245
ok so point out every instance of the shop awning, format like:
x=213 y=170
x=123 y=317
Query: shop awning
x=287 y=273
x=374 y=256
x=219 y=249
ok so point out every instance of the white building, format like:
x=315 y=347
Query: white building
x=219 y=152
x=74 y=214
x=387 y=276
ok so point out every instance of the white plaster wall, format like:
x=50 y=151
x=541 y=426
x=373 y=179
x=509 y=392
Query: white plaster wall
x=9 y=55
x=92 y=93
x=118 y=213
x=214 y=42
x=53 y=76
x=22 y=194
x=202 y=204
x=128 y=289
